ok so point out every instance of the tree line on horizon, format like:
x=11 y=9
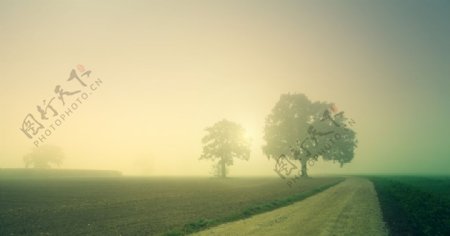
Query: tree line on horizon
x=296 y=129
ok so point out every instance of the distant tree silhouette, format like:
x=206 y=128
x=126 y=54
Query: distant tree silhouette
x=223 y=142
x=217 y=170
x=304 y=131
x=44 y=156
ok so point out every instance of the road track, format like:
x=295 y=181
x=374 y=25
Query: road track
x=349 y=208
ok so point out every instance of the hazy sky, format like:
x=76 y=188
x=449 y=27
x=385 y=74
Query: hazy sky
x=172 y=68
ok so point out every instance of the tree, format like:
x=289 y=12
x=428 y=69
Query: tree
x=304 y=131
x=225 y=141
x=44 y=156
x=337 y=143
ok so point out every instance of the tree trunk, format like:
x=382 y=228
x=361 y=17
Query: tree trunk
x=304 y=163
x=223 y=170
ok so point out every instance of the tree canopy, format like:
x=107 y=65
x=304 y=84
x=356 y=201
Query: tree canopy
x=44 y=156
x=331 y=138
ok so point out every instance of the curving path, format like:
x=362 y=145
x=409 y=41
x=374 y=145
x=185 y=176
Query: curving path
x=349 y=208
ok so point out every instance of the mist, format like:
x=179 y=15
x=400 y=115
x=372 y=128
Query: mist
x=170 y=69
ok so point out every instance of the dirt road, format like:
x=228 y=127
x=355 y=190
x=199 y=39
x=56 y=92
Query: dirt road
x=349 y=208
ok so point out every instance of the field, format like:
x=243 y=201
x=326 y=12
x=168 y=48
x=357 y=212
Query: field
x=139 y=206
x=67 y=205
x=413 y=205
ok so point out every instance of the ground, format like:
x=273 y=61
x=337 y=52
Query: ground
x=349 y=208
x=410 y=205
x=137 y=206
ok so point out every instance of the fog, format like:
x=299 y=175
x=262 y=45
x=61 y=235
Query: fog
x=169 y=69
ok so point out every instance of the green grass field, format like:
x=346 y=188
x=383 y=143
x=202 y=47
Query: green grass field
x=414 y=205
x=139 y=206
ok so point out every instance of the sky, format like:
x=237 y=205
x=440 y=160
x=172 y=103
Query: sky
x=169 y=69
